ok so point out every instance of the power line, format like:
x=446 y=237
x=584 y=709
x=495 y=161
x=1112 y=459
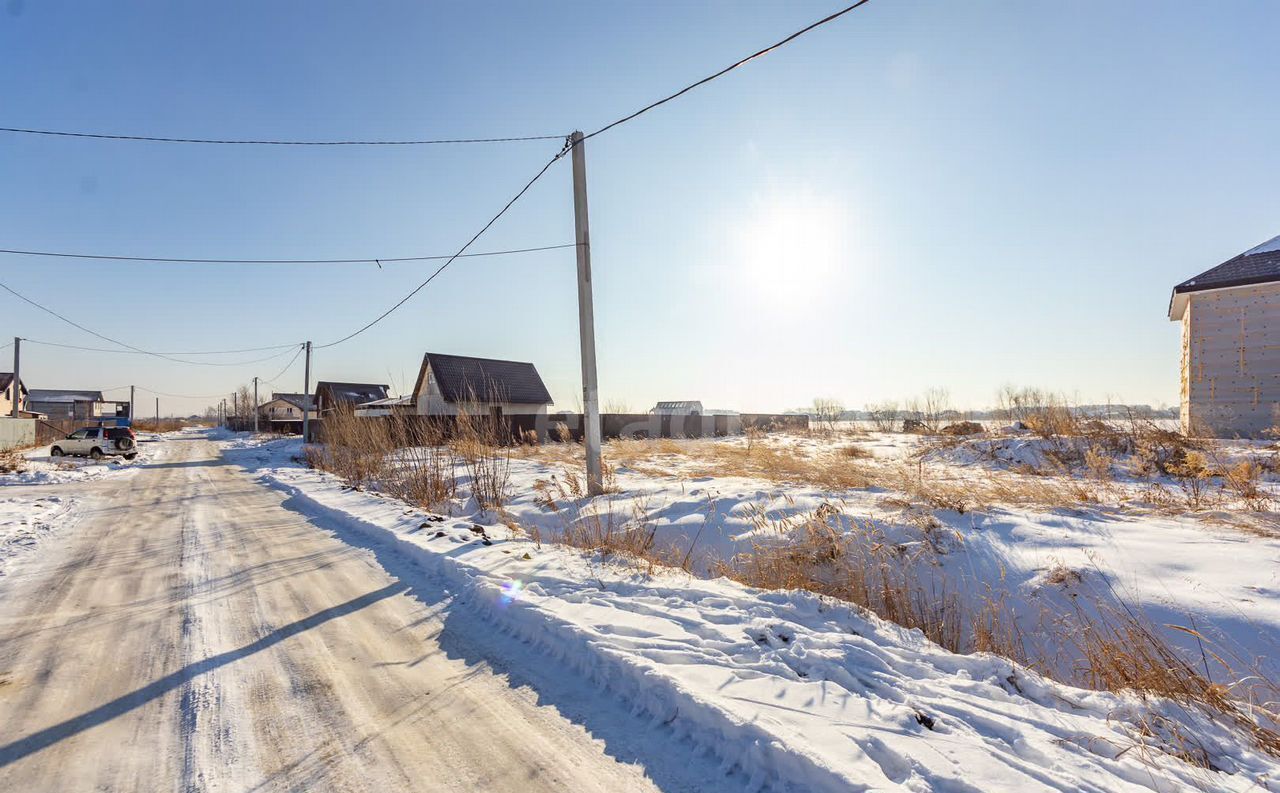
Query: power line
x=292 y=361
x=239 y=142
x=272 y=357
x=365 y=260
x=167 y=352
x=116 y=342
x=729 y=68
x=452 y=258
x=178 y=396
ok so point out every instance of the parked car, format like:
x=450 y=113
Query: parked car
x=98 y=442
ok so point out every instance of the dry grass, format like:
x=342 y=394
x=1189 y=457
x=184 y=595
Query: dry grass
x=417 y=461
x=163 y=425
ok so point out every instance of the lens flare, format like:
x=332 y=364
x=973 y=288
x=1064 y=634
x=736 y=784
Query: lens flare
x=511 y=590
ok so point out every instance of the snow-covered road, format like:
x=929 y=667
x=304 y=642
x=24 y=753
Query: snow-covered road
x=190 y=633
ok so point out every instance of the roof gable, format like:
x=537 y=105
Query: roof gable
x=297 y=400
x=354 y=393
x=462 y=378
x=1258 y=265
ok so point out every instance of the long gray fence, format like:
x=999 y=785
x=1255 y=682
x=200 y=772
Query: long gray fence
x=542 y=428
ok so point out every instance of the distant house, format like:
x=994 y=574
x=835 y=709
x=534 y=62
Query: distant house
x=679 y=408
x=76 y=404
x=283 y=412
x=451 y=384
x=331 y=396
x=7 y=394
x=1230 y=319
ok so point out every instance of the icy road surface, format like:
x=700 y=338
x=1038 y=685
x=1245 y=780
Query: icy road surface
x=189 y=633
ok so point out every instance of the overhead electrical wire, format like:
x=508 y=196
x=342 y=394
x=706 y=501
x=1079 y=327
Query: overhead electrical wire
x=179 y=396
x=364 y=260
x=452 y=258
x=283 y=352
x=292 y=361
x=165 y=356
x=569 y=143
x=729 y=68
x=243 y=142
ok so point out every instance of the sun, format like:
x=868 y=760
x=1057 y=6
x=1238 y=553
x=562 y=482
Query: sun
x=791 y=248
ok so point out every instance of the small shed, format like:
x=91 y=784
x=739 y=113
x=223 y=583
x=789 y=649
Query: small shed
x=1230 y=315
x=451 y=384
x=688 y=407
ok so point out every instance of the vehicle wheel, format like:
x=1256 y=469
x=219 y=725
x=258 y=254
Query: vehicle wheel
x=95 y=453
x=130 y=456
x=56 y=451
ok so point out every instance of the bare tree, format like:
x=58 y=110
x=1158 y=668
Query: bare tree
x=617 y=406
x=827 y=410
x=884 y=415
x=934 y=407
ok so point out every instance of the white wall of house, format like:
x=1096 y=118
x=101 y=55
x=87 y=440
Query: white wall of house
x=6 y=401
x=431 y=402
x=281 y=410
x=1231 y=361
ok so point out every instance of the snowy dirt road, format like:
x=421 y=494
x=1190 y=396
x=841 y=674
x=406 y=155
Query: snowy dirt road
x=191 y=633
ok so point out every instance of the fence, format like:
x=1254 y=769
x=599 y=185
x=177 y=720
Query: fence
x=542 y=427
x=17 y=433
x=50 y=430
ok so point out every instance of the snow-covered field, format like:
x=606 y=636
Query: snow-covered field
x=805 y=693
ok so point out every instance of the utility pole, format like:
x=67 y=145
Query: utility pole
x=17 y=376
x=306 y=398
x=157 y=414
x=224 y=412
x=255 y=405
x=130 y=405
x=235 y=406
x=586 y=319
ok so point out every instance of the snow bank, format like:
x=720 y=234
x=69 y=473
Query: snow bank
x=797 y=692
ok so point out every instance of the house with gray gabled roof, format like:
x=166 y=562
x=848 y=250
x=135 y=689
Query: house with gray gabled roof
x=1230 y=315
x=283 y=412
x=451 y=384
x=331 y=395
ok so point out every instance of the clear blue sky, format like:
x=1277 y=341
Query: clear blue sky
x=920 y=194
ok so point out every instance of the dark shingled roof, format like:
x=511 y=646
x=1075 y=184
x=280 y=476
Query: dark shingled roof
x=465 y=379
x=1247 y=268
x=354 y=393
x=296 y=400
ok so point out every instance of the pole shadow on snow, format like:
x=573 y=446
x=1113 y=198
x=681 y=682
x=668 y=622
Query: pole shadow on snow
x=671 y=763
x=23 y=747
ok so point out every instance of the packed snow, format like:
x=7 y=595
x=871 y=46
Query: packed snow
x=803 y=693
x=26 y=520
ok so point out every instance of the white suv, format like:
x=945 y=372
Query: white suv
x=98 y=442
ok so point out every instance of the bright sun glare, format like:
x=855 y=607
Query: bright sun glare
x=791 y=247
